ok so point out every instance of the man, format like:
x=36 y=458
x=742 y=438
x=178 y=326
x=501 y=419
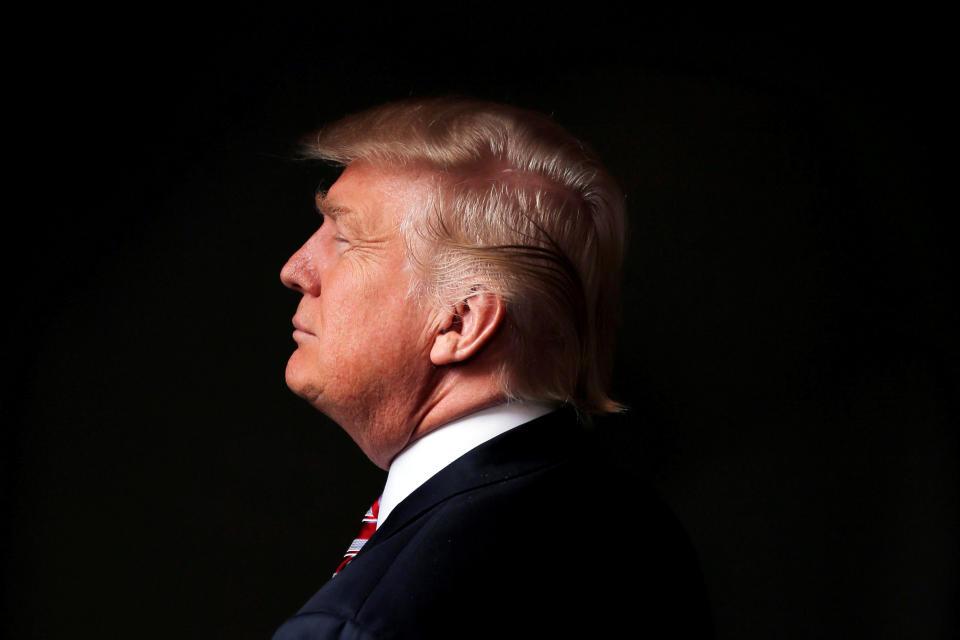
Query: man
x=456 y=320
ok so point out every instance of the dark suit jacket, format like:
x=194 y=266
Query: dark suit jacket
x=528 y=535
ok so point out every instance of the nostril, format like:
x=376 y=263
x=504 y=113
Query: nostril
x=288 y=276
x=300 y=275
x=300 y=272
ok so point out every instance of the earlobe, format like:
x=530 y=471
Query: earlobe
x=467 y=328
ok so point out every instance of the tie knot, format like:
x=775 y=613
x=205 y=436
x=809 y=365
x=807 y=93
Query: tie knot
x=373 y=512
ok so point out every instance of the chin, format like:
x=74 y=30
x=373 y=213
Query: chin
x=294 y=375
x=302 y=381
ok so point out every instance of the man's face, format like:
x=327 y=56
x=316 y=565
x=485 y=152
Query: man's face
x=363 y=347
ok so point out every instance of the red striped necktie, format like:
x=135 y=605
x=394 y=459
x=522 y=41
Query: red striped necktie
x=366 y=530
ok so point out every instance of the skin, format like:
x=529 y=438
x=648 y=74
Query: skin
x=384 y=368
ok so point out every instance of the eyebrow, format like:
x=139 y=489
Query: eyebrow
x=330 y=209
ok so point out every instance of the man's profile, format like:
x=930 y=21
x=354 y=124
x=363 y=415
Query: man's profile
x=456 y=320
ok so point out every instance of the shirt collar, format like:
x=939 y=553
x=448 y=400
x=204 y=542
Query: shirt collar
x=424 y=458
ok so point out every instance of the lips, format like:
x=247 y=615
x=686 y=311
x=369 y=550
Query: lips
x=300 y=326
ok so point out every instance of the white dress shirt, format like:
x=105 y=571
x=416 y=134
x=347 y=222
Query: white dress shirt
x=424 y=458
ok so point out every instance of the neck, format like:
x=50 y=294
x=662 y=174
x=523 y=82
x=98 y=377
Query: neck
x=458 y=394
x=435 y=396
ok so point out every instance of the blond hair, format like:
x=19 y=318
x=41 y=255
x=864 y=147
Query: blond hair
x=522 y=209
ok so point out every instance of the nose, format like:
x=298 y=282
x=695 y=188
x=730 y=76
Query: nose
x=300 y=273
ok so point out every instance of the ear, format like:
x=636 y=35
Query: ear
x=466 y=328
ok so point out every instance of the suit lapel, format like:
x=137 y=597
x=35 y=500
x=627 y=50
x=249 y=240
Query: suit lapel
x=540 y=443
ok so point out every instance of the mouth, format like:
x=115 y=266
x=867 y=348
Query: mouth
x=299 y=327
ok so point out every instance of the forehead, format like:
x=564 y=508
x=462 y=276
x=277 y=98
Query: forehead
x=374 y=200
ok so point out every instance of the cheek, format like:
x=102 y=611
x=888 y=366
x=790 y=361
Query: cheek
x=367 y=314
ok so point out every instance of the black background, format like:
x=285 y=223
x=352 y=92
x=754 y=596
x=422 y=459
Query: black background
x=788 y=346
